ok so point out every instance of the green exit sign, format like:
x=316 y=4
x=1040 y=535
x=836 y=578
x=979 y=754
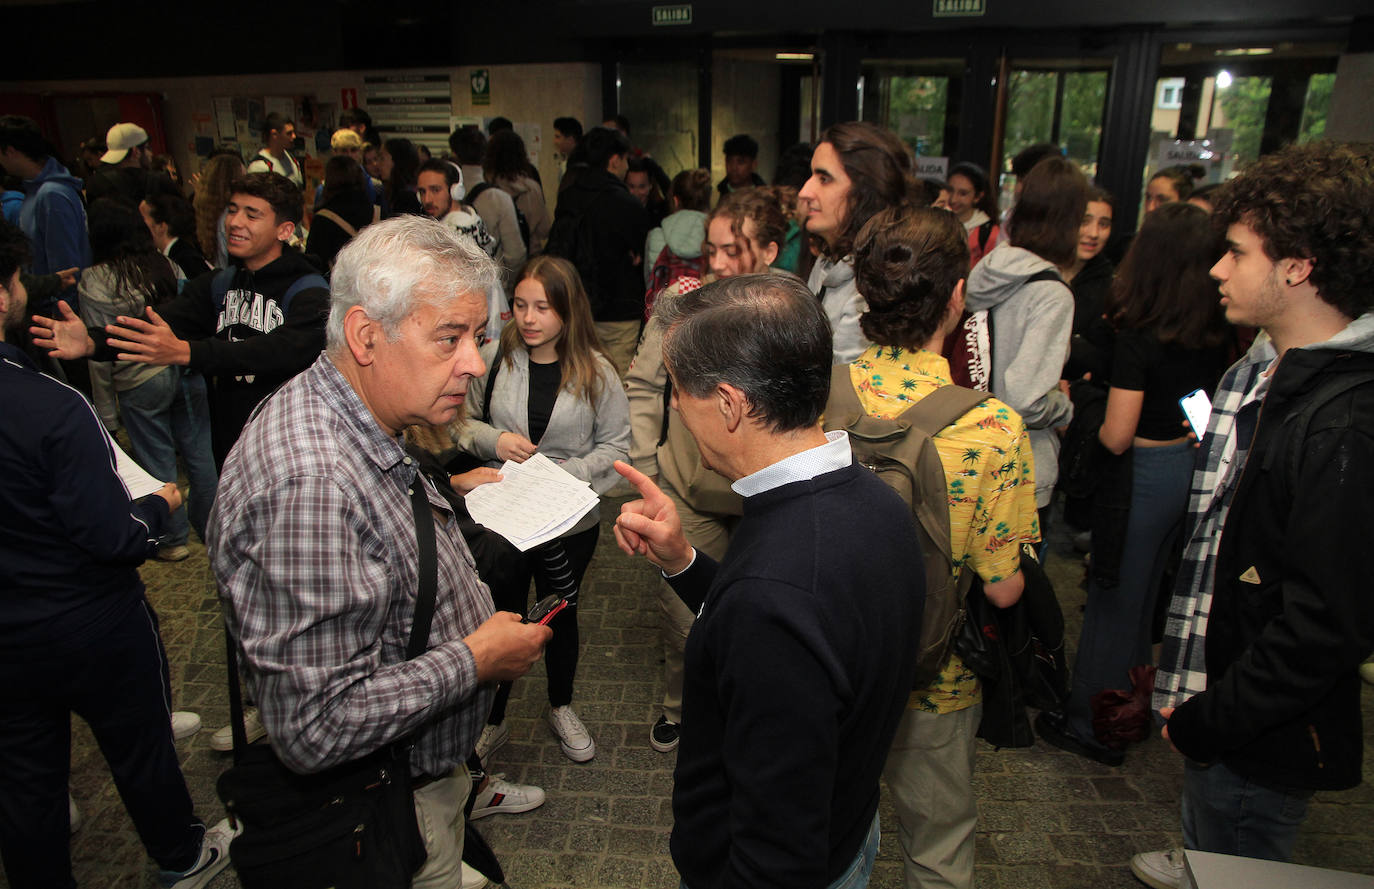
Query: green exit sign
x=959 y=8
x=673 y=15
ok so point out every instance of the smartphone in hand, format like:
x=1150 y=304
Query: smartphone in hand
x=545 y=610
x=1197 y=408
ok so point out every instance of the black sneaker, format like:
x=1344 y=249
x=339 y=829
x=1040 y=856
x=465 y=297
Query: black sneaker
x=1053 y=729
x=663 y=737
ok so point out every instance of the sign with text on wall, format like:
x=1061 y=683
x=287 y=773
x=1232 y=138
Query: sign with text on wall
x=932 y=168
x=958 y=8
x=414 y=106
x=680 y=14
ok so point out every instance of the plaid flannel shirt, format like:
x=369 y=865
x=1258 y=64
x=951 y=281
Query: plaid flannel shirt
x=312 y=541
x=1182 y=670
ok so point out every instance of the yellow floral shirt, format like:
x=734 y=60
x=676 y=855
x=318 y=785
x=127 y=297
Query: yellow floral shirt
x=988 y=463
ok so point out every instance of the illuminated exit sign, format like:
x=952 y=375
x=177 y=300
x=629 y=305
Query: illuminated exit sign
x=959 y=8
x=674 y=15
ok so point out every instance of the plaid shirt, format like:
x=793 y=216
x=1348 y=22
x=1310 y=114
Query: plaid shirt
x=1182 y=669
x=313 y=544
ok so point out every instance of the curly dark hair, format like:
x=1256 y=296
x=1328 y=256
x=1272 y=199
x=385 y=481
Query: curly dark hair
x=907 y=264
x=1313 y=201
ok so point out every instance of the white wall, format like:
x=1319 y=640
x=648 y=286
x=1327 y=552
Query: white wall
x=533 y=94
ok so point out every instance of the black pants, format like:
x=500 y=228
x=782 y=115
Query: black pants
x=560 y=655
x=118 y=683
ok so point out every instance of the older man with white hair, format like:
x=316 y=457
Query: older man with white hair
x=314 y=540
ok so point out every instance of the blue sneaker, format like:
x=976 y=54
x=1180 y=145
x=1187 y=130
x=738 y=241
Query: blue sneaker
x=214 y=857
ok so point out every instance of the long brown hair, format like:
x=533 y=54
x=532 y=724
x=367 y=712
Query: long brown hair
x=879 y=167
x=579 y=345
x=1164 y=285
x=212 y=196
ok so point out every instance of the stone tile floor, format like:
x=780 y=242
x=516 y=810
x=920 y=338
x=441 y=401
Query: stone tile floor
x=1047 y=818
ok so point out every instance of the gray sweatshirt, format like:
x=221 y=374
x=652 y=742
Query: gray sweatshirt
x=1031 y=325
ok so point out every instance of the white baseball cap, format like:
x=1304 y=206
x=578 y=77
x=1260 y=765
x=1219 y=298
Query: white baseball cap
x=120 y=138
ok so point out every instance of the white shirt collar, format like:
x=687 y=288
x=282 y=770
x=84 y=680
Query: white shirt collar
x=808 y=464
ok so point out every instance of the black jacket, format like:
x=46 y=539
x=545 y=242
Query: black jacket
x=616 y=227
x=326 y=237
x=249 y=346
x=1090 y=349
x=70 y=539
x=188 y=258
x=1292 y=616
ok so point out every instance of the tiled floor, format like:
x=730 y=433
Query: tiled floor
x=1047 y=818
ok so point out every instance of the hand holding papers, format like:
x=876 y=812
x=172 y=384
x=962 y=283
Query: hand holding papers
x=135 y=477
x=534 y=503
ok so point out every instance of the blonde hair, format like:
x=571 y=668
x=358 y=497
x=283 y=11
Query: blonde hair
x=345 y=139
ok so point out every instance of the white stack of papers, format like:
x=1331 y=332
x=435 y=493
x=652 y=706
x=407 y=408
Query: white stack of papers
x=136 y=478
x=535 y=502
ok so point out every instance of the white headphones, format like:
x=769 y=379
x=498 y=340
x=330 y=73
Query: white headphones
x=457 y=190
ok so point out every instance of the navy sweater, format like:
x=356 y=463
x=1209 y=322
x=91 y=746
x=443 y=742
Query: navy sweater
x=797 y=672
x=70 y=539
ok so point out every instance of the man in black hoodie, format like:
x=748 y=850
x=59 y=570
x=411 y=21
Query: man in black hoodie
x=601 y=228
x=248 y=328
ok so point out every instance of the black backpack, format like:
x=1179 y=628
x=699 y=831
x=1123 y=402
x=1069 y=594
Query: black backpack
x=571 y=238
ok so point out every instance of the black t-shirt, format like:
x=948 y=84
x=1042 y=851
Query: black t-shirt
x=1165 y=373
x=544 y=386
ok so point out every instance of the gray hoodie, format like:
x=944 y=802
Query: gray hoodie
x=1031 y=325
x=682 y=233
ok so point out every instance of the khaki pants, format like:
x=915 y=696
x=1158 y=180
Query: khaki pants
x=711 y=535
x=930 y=773
x=619 y=339
x=439 y=811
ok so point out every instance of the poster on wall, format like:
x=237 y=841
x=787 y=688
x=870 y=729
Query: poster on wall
x=533 y=136
x=224 y=118
x=411 y=106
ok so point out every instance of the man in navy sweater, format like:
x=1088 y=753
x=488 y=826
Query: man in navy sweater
x=801 y=657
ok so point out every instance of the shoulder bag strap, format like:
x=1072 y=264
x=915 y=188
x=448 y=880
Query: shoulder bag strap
x=497 y=360
x=337 y=220
x=428 y=568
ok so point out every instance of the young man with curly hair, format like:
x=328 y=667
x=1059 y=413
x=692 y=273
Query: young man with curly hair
x=1271 y=616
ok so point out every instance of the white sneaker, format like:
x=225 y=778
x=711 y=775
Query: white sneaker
x=214 y=857
x=573 y=736
x=501 y=796
x=184 y=724
x=223 y=739
x=472 y=878
x=73 y=814
x=493 y=736
x=1162 y=870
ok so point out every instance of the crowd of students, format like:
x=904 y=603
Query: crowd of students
x=195 y=303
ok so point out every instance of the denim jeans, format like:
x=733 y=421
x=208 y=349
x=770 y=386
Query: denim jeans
x=167 y=414
x=857 y=874
x=1116 y=622
x=1232 y=815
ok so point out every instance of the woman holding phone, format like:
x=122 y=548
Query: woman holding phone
x=553 y=391
x=1171 y=339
